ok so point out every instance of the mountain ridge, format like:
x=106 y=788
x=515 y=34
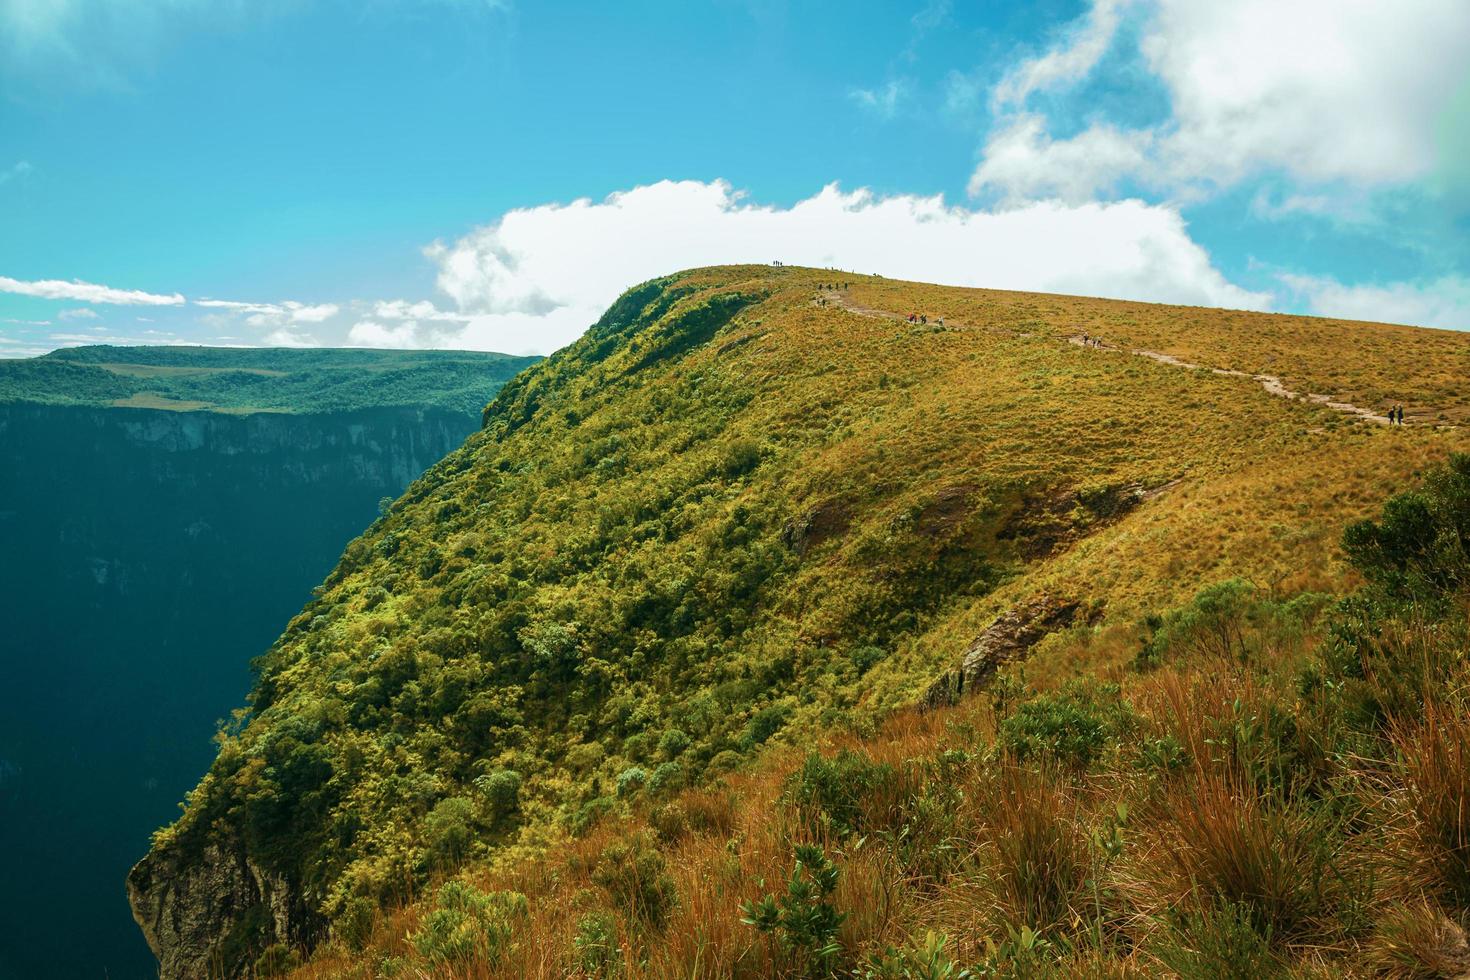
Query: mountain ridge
x=246 y=380
x=736 y=513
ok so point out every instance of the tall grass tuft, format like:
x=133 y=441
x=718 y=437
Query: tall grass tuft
x=1435 y=838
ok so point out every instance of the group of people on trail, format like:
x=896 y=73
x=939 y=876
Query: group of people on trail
x=1089 y=341
x=831 y=287
x=1396 y=415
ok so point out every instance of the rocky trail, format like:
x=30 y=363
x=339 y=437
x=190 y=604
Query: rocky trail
x=1269 y=382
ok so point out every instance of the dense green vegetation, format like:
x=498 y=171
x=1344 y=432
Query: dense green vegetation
x=731 y=520
x=257 y=379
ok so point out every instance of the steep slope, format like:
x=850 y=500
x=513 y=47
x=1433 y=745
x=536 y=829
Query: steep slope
x=749 y=506
x=148 y=556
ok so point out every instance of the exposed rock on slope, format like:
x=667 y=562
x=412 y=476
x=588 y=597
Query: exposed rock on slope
x=1009 y=638
x=197 y=911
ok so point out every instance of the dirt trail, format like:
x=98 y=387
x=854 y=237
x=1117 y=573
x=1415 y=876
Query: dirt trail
x=1270 y=382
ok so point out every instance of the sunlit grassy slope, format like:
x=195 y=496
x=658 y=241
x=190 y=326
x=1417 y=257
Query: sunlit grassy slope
x=246 y=380
x=733 y=517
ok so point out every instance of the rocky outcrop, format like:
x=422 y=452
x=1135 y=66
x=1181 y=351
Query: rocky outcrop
x=204 y=913
x=1009 y=638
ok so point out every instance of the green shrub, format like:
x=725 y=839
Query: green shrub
x=501 y=790
x=765 y=723
x=839 y=788
x=1073 y=726
x=636 y=877
x=448 y=832
x=673 y=743
x=596 y=943
x=803 y=919
x=666 y=778
x=354 y=924
x=276 y=961
x=724 y=761
x=865 y=658
x=586 y=816
x=1419 y=548
x=929 y=961
x=468 y=924
x=630 y=781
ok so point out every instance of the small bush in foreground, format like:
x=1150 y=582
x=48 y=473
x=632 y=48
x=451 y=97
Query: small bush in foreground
x=636 y=877
x=804 y=919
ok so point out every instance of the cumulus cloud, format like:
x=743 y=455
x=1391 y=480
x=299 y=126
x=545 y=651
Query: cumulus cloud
x=79 y=313
x=1025 y=164
x=1443 y=302
x=368 y=333
x=287 y=337
x=399 y=309
x=86 y=292
x=539 y=276
x=1349 y=91
x=1082 y=47
x=282 y=320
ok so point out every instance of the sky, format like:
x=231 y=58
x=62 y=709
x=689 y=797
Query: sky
x=490 y=174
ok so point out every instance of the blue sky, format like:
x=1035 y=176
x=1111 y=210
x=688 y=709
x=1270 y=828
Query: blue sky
x=490 y=174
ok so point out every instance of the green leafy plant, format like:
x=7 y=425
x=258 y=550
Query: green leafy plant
x=803 y=919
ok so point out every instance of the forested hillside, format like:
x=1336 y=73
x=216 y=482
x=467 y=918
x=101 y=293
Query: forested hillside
x=246 y=380
x=758 y=510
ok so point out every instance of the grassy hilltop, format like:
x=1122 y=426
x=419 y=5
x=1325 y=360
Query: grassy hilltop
x=575 y=671
x=240 y=381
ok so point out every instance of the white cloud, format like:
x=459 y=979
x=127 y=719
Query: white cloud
x=282 y=320
x=367 y=333
x=80 y=313
x=86 y=292
x=883 y=102
x=268 y=314
x=539 y=276
x=1443 y=302
x=1350 y=91
x=1082 y=47
x=27 y=323
x=287 y=337
x=399 y=309
x=1025 y=164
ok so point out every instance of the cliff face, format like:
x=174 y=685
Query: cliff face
x=190 y=910
x=148 y=556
